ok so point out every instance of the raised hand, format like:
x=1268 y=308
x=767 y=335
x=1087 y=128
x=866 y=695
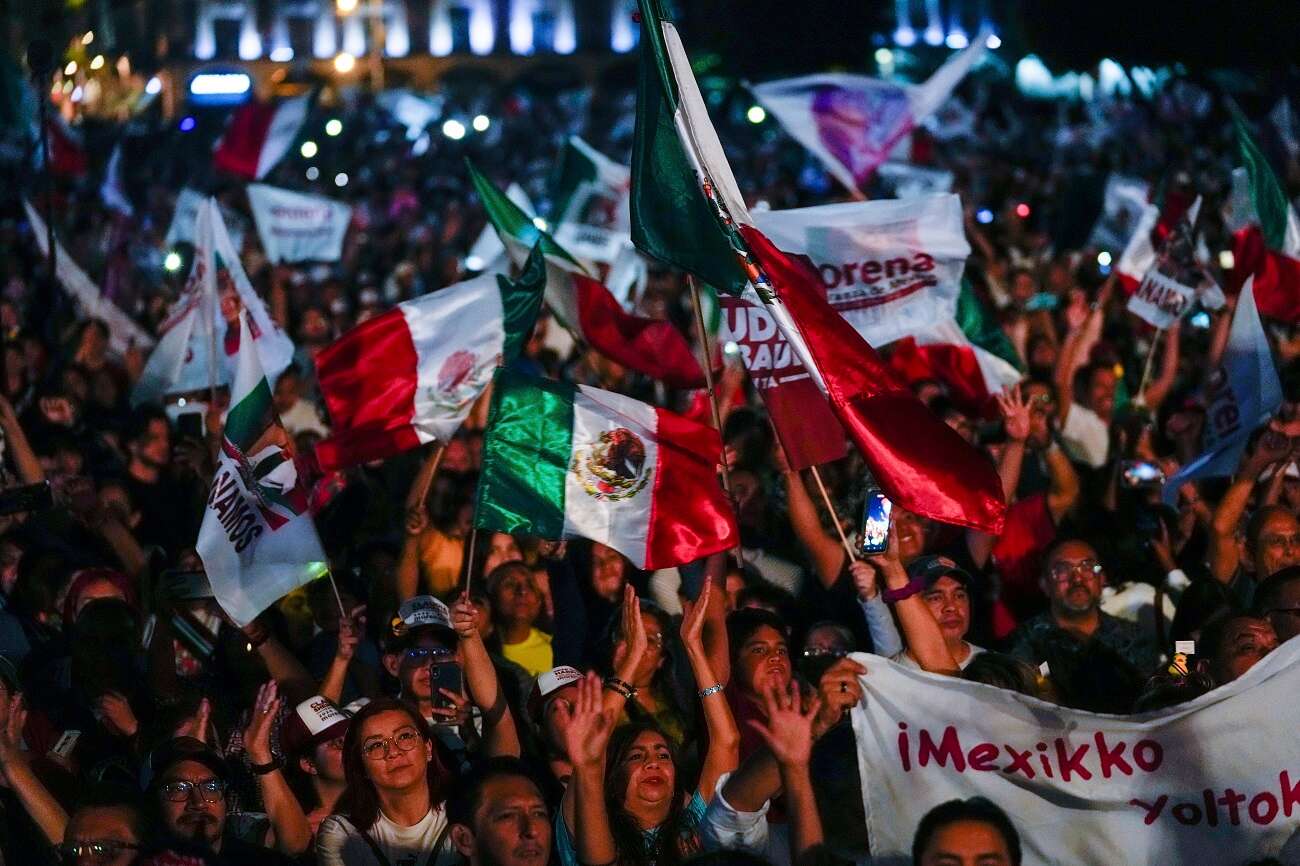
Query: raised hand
x=257 y=735
x=465 y=617
x=838 y=690
x=586 y=728
x=692 y=630
x=116 y=714
x=1015 y=413
x=196 y=726
x=351 y=627
x=865 y=579
x=13 y=717
x=416 y=520
x=632 y=643
x=458 y=713
x=788 y=731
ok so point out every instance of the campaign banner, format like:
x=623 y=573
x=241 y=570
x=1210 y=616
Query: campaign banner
x=1160 y=300
x=184 y=227
x=1210 y=782
x=891 y=268
x=298 y=228
x=808 y=429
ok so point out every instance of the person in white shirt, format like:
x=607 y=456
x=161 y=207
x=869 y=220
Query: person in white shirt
x=392 y=813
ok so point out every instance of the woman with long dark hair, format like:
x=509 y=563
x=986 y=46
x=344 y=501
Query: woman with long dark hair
x=393 y=807
x=626 y=800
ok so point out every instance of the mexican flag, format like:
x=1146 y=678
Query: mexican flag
x=585 y=306
x=257 y=541
x=260 y=134
x=1268 y=247
x=564 y=461
x=412 y=374
x=921 y=464
x=590 y=188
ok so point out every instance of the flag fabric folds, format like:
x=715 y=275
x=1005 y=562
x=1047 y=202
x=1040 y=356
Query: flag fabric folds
x=260 y=134
x=565 y=461
x=1268 y=246
x=257 y=541
x=412 y=374
x=585 y=306
x=852 y=123
x=920 y=463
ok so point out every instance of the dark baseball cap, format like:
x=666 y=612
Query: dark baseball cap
x=929 y=568
x=178 y=749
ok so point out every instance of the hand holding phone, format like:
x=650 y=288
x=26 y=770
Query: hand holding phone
x=875 y=522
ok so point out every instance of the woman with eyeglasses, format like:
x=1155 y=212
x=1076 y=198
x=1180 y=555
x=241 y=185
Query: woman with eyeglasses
x=655 y=696
x=392 y=811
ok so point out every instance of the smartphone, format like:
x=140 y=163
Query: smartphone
x=875 y=522
x=29 y=497
x=1139 y=473
x=180 y=585
x=445 y=675
x=189 y=425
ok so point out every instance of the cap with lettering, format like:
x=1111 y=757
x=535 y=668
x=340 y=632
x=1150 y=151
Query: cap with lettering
x=314 y=721
x=547 y=684
x=421 y=611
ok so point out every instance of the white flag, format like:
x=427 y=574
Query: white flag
x=200 y=339
x=257 y=541
x=184 y=226
x=891 y=268
x=298 y=228
x=1241 y=395
x=91 y=303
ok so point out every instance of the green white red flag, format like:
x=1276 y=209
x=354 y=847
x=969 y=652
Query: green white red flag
x=1268 y=247
x=584 y=306
x=257 y=541
x=566 y=461
x=687 y=209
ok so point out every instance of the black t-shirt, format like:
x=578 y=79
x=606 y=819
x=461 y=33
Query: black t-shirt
x=170 y=513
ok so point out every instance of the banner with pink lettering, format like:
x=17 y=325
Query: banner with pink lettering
x=298 y=228
x=891 y=267
x=1212 y=782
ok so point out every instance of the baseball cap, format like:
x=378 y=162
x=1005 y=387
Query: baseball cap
x=421 y=611
x=928 y=569
x=314 y=721
x=178 y=749
x=547 y=684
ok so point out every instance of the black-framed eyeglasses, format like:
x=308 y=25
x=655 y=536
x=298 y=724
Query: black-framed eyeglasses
x=96 y=850
x=178 y=792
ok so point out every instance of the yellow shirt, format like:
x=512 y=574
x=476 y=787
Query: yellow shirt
x=440 y=559
x=533 y=653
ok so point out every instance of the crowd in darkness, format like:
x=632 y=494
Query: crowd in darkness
x=525 y=701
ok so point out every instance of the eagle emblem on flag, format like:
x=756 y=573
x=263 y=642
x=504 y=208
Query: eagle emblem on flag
x=612 y=468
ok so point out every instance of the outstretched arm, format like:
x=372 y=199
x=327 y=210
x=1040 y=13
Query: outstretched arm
x=724 y=739
x=499 y=733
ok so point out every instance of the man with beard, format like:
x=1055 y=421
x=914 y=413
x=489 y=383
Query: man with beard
x=1086 y=651
x=498 y=817
x=188 y=790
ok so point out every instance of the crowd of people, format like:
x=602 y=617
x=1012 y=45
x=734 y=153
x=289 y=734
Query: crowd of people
x=521 y=701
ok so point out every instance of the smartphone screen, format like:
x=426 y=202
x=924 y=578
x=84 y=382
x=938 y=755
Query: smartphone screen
x=190 y=425
x=1137 y=473
x=875 y=522
x=444 y=675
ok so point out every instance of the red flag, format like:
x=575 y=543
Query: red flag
x=918 y=461
x=801 y=416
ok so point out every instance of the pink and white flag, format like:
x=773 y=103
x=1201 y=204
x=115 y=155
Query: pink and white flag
x=852 y=122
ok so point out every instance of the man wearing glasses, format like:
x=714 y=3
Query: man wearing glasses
x=105 y=830
x=188 y=789
x=1081 y=645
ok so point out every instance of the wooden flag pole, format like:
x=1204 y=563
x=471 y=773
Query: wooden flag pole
x=337 y=595
x=424 y=480
x=835 y=518
x=707 y=364
x=1140 y=398
x=469 y=558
